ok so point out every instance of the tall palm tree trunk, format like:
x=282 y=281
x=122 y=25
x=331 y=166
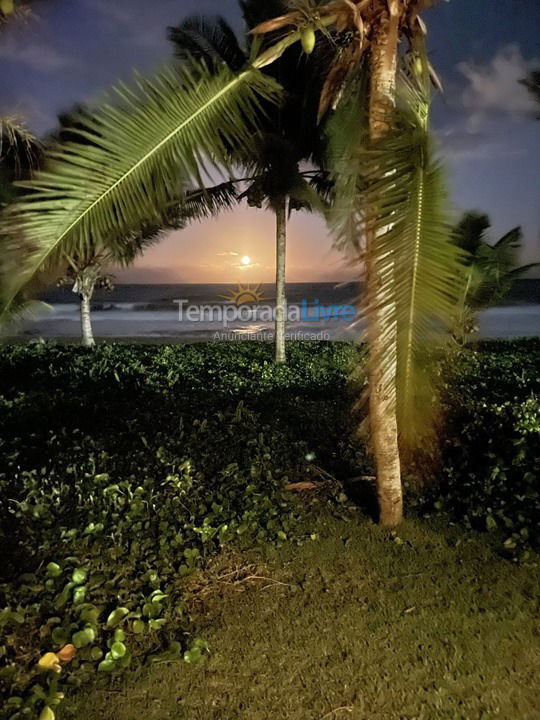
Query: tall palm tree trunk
x=281 y=297
x=85 y=282
x=382 y=403
x=87 y=335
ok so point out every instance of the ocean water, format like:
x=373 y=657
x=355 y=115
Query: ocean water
x=318 y=311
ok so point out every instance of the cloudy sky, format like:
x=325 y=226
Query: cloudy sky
x=72 y=50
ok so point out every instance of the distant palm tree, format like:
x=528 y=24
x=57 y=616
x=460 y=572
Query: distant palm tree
x=151 y=144
x=20 y=153
x=491 y=269
x=87 y=271
x=288 y=134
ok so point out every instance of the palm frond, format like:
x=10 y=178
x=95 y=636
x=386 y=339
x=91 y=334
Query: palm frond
x=22 y=309
x=518 y=272
x=347 y=139
x=509 y=244
x=19 y=148
x=418 y=268
x=495 y=269
x=311 y=193
x=144 y=149
x=13 y=9
x=196 y=205
x=211 y=40
x=532 y=83
x=132 y=246
x=323 y=185
x=207 y=202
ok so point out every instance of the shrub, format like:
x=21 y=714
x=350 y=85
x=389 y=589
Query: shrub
x=490 y=449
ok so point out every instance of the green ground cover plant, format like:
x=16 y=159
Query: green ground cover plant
x=490 y=444
x=126 y=469
x=425 y=623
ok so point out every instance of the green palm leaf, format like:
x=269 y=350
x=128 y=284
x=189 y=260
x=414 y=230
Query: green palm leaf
x=347 y=141
x=208 y=202
x=136 y=155
x=419 y=269
x=19 y=148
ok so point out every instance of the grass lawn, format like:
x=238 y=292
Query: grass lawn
x=361 y=624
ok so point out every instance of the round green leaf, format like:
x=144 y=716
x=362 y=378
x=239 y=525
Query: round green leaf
x=79 y=595
x=89 y=614
x=118 y=650
x=46 y=714
x=54 y=570
x=117 y=616
x=60 y=635
x=192 y=656
x=156 y=624
x=106 y=665
x=79 y=576
x=82 y=638
x=96 y=653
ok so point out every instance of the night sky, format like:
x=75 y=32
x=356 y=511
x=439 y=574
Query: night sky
x=72 y=50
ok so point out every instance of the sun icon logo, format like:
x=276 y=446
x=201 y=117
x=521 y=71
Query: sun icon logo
x=245 y=295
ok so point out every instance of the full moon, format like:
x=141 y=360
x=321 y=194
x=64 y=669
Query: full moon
x=246 y=260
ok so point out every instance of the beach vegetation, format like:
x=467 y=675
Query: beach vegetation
x=126 y=470
x=492 y=269
x=360 y=623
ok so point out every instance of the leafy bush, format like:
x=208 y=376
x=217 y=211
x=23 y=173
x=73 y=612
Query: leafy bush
x=219 y=370
x=490 y=444
x=107 y=535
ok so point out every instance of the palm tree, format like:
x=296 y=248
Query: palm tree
x=20 y=153
x=152 y=143
x=393 y=195
x=491 y=270
x=87 y=271
x=287 y=135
